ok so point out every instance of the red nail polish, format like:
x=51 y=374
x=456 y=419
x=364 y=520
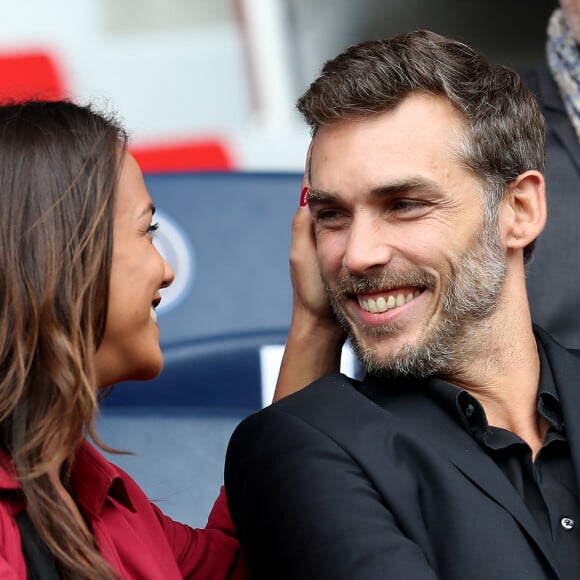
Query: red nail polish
x=303 y=195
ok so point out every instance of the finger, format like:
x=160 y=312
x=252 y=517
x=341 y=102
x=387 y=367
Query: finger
x=305 y=187
x=302 y=233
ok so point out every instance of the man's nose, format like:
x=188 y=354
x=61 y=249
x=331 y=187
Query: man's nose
x=368 y=244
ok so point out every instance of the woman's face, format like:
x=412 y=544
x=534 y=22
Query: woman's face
x=130 y=347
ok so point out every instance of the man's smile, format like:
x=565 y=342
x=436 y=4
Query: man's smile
x=381 y=302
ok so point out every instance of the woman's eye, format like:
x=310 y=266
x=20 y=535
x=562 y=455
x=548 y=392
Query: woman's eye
x=152 y=228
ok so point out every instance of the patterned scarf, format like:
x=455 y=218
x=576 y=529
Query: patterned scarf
x=563 y=55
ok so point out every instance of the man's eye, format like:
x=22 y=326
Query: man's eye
x=327 y=215
x=406 y=205
x=152 y=228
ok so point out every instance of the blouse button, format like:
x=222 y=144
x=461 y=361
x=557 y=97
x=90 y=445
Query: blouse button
x=567 y=523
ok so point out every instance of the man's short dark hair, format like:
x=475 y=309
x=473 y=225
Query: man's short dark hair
x=504 y=129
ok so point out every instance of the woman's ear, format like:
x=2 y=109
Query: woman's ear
x=522 y=214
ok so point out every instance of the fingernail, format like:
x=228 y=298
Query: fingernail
x=303 y=195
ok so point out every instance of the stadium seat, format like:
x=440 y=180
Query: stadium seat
x=30 y=75
x=208 y=154
x=222 y=372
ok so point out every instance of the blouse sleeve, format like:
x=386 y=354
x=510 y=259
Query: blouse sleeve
x=211 y=552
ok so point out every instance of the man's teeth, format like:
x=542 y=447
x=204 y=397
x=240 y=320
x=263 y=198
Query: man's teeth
x=153 y=314
x=383 y=304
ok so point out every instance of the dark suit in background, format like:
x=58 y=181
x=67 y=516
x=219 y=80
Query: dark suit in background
x=553 y=278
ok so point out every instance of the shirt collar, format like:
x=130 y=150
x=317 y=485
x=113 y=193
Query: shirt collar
x=94 y=480
x=469 y=412
x=548 y=400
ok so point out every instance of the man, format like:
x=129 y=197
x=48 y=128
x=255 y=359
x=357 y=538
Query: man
x=456 y=457
x=556 y=83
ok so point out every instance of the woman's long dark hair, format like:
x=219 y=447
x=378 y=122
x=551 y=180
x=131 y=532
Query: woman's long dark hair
x=59 y=169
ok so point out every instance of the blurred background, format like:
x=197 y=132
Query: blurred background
x=211 y=84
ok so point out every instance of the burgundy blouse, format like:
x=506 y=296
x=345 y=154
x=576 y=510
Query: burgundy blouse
x=133 y=535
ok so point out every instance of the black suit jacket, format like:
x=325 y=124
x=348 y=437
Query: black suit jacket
x=364 y=481
x=554 y=275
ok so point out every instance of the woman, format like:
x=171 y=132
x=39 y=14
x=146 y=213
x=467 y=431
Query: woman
x=79 y=284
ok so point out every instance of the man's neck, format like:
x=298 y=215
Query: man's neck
x=504 y=378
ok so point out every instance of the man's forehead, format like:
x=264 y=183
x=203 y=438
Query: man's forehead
x=421 y=140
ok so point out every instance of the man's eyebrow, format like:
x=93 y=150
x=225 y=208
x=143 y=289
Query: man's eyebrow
x=317 y=196
x=413 y=185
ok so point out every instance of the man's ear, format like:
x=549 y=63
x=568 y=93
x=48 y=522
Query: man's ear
x=522 y=214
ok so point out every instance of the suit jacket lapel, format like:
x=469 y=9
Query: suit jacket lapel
x=466 y=455
x=484 y=474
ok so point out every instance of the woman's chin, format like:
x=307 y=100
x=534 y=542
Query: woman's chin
x=148 y=374
x=145 y=373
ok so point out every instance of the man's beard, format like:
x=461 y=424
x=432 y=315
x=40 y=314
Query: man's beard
x=470 y=296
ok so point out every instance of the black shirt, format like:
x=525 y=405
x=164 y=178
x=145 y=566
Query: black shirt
x=547 y=485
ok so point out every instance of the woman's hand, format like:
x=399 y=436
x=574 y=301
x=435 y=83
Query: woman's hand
x=315 y=339
x=311 y=310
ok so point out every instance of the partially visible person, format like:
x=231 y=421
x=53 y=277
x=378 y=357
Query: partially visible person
x=553 y=277
x=457 y=456
x=79 y=286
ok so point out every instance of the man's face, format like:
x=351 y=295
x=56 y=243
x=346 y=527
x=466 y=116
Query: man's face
x=412 y=270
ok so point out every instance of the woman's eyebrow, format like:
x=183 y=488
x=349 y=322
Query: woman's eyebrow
x=149 y=209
